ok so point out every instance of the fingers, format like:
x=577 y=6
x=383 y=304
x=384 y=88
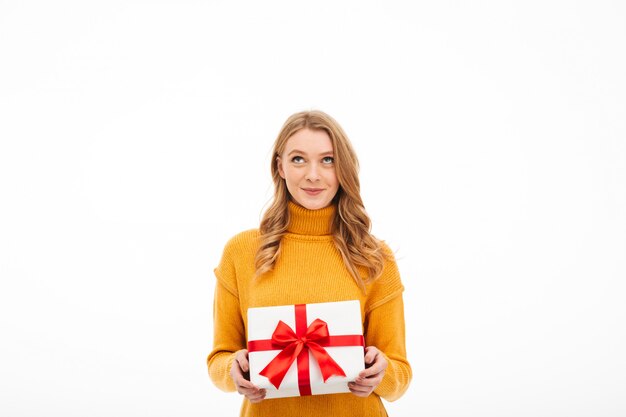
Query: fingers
x=376 y=361
x=372 y=376
x=359 y=390
x=363 y=387
x=370 y=354
x=239 y=372
x=242 y=358
x=253 y=393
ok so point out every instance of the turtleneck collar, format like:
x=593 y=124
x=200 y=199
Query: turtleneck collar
x=303 y=221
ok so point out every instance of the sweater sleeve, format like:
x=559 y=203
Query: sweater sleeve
x=384 y=328
x=228 y=327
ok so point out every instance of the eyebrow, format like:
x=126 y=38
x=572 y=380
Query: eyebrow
x=304 y=153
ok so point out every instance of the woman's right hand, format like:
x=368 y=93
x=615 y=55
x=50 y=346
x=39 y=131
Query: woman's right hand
x=238 y=372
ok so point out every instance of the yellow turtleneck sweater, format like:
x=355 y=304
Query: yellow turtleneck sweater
x=308 y=270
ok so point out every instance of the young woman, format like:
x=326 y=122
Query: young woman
x=313 y=245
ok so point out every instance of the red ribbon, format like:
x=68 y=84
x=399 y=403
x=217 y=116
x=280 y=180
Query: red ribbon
x=296 y=345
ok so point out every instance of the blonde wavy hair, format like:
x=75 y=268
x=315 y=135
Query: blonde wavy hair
x=361 y=252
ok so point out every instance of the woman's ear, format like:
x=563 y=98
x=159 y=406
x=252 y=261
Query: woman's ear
x=279 y=165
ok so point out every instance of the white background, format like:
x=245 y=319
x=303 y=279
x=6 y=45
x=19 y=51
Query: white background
x=135 y=140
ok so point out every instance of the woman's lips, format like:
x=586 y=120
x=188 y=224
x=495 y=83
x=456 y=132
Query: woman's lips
x=313 y=191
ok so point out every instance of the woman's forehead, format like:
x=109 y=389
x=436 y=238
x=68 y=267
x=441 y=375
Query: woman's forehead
x=310 y=142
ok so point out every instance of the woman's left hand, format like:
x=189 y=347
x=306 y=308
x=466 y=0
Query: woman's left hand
x=372 y=375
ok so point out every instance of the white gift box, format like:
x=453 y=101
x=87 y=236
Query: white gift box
x=344 y=345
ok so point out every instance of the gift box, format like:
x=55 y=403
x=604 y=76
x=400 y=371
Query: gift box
x=305 y=349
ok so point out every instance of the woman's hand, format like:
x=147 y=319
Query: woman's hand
x=240 y=374
x=372 y=375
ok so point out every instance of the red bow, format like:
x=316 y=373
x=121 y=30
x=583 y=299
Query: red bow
x=292 y=345
x=298 y=344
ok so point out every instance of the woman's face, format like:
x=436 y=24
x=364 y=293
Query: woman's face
x=308 y=168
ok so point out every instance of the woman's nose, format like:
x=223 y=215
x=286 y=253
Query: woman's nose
x=313 y=172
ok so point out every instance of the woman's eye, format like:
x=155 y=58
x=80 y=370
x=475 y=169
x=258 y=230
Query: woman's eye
x=328 y=160
x=297 y=159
